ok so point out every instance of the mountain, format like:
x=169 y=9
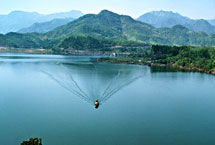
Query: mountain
x=71 y=14
x=182 y=36
x=45 y=26
x=17 y=20
x=21 y=41
x=107 y=29
x=161 y=19
x=201 y=26
x=109 y=25
x=212 y=22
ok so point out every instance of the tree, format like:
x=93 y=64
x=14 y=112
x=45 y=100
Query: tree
x=32 y=141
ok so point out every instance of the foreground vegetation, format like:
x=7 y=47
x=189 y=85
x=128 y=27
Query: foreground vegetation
x=32 y=141
x=200 y=59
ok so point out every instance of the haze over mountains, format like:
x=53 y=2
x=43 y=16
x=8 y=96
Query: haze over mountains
x=46 y=26
x=17 y=20
x=35 y=22
x=161 y=19
x=107 y=28
x=109 y=25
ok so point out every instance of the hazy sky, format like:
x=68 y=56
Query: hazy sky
x=191 y=8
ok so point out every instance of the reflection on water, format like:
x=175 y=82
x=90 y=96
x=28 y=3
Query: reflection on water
x=175 y=73
x=156 y=69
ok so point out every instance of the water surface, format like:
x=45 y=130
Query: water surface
x=146 y=107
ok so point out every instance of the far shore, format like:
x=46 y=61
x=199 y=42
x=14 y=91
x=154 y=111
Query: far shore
x=50 y=51
x=106 y=58
x=151 y=64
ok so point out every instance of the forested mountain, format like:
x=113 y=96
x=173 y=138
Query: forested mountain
x=161 y=19
x=46 y=26
x=106 y=25
x=109 y=25
x=107 y=28
x=17 y=20
x=21 y=41
x=201 y=26
x=181 y=36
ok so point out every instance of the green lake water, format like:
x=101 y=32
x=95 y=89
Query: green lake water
x=52 y=96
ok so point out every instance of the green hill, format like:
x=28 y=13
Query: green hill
x=109 y=25
x=46 y=26
x=181 y=36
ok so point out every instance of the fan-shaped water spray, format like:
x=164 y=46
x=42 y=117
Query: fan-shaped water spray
x=93 y=81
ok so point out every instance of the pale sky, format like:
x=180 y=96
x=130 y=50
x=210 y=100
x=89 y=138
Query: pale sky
x=197 y=9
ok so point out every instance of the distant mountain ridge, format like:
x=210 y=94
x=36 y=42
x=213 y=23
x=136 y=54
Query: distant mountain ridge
x=45 y=26
x=109 y=25
x=212 y=22
x=107 y=28
x=201 y=25
x=35 y=22
x=17 y=20
x=106 y=25
x=161 y=19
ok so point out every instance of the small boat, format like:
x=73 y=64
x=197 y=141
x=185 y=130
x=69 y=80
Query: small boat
x=97 y=104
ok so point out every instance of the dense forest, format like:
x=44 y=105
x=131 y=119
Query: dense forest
x=188 y=57
x=185 y=57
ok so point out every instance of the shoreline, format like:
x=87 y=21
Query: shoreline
x=116 y=60
x=51 y=52
x=145 y=63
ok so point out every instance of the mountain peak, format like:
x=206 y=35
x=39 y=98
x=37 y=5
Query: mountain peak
x=107 y=12
x=162 y=18
x=18 y=12
x=165 y=14
x=202 y=21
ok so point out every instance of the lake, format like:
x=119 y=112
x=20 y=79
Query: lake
x=52 y=97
